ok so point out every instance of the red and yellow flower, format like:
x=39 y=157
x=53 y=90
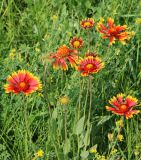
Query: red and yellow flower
x=22 y=81
x=90 y=65
x=76 y=42
x=87 y=24
x=123 y=105
x=62 y=55
x=113 y=32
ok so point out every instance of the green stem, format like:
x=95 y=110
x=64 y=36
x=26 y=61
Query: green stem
x=88 y=40
x=128 y=141
x=46 y=90
x=65 y=123
x=80 y=93
x=26 y=128
x=90 y=91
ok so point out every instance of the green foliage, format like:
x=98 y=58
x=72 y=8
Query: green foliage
x=27 y=124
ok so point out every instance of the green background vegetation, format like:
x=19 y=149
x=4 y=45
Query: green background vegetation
x=27 y=25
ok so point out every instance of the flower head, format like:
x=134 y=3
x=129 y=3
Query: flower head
x=22 y=81
x=110 y=136
x=119 y=123
x=54 y=17
x=88 y=23
x=90 y=65
x=123 y=105
x=120 y=137
x=64 y=100
x=62 y=55
x=76 y=42
x=113 y=32
x=114 y=151
x=93 y=149
x=39 y=153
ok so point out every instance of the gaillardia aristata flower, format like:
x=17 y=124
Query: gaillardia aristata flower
x=123 y=105
x=76 y=42
x=87 y=24
x=62 y=55
x=22 y=81
x=90 y=65
x=113 y=32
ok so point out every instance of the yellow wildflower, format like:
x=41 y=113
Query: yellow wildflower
x=12 y=55
x=54 y=18
x=119 y=123
x=114 y=150
x=39 y=153
x=120 y=137
x=110 y=136
x=64 y=100
x=93 y=149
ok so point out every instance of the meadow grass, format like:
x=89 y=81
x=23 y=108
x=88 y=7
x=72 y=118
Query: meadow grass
x=29 y=31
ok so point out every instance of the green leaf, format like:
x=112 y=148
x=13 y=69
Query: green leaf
x=54 y=114
x=84 y=154
x=103 y=119
x=87 y=137
x=67 y=146
x=80 y=126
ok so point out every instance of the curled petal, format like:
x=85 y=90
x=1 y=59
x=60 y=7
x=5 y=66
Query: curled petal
x=120 y=97
x=113 y=101
x=129 y=114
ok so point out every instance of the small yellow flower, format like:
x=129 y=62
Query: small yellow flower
x=54 y=18
x=39 y=153
x=110 y=136
x=93 y=149
x=138 y=21
x=12 y=55
x=120 y=137
x=64 y=100
x=114 y=150
x=119 y=123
